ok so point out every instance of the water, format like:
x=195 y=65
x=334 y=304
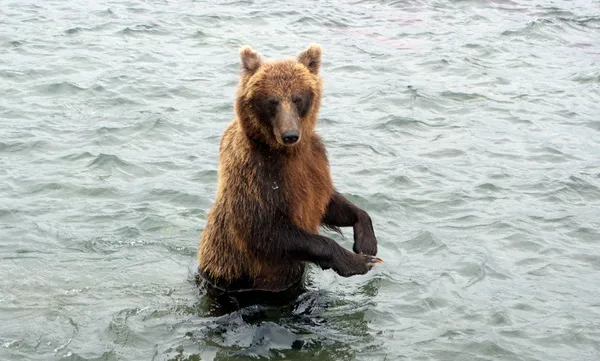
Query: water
x=468 y=129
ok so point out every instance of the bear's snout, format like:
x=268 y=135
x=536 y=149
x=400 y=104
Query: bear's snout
x=287 y=125
x=290 y=137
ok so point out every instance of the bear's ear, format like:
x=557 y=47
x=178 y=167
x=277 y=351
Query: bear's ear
x=311 y=58
x=251 y=60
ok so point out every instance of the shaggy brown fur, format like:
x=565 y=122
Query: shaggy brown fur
x=274 y=193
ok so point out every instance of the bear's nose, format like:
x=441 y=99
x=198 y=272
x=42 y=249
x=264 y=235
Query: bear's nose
x=290 y=137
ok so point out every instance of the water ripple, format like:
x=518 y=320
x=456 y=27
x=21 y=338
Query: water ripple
x=467 y=129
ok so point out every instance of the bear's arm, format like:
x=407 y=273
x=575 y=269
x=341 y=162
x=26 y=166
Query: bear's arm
x=269 y=233
x=341 y=213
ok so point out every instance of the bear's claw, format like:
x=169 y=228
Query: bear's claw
x=372 y=261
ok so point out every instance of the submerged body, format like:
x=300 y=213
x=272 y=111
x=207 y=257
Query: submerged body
x=275 y=187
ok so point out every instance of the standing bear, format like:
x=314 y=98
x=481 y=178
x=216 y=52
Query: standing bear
x=275 y=188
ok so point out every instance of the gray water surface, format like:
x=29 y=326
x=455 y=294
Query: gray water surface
x=469 y=130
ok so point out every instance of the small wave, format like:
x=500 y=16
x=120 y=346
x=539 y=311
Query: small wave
x=434 y=303
x=112 y=243
x=549 y=155
x=584 y=188
x=9 y=213
x=549 y=219
x=400 y=182
x=445 y=153
x=539 y=22
x=205 y=175
x=533 y=28
x=171 y=93
x=237 y=2
x=473 y=350
x=108 y=12
x=119 y=330
x=14 y=147
x=129 y=232
x=395 y=121
x=146 y=58
x=424 y=241
x=177 y=197
x=74 y=30
x=460 y=96
x=590 y=260
x=111 y=162
x=103 y=160
x=61 y=88
x=212 y=19
x=13 y=43
x=119 y=101
x=150 y=124
x=78 y=29
x=347 y=68
x=71 y=189
x=138 y=10
x=199 y=34
x=151 y=28
x=77 y=156
x=306 y=20
x=490 y=187
x=549 y=269
x=504 y=155
x=587 y=78
x=155 y=224
x=25 y=74
x=595 y=124
x=592 y=22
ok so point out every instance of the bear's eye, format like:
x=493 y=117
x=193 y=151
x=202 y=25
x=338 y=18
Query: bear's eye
x=272 y=106
x=297 y=101
x=302 y=101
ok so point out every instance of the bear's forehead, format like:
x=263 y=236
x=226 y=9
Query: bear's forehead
x=282 y=77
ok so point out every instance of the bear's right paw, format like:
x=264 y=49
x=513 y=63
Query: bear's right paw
x=354 y=264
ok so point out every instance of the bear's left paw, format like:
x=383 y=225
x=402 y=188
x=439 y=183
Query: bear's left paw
x=366 y=246
x=365 y=241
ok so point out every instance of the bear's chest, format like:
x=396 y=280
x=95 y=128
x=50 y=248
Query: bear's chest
x=306 y=190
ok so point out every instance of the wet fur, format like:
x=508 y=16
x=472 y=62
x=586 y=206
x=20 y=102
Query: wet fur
x=271 y=198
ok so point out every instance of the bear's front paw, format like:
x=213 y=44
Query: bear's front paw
x=352 y=264
x=366 y=245
x=364 y=237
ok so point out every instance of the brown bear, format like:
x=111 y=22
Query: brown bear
x=275 y=188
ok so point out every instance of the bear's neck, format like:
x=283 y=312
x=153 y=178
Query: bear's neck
x=277 y=150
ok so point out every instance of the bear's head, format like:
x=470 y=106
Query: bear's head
x=278 y=100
